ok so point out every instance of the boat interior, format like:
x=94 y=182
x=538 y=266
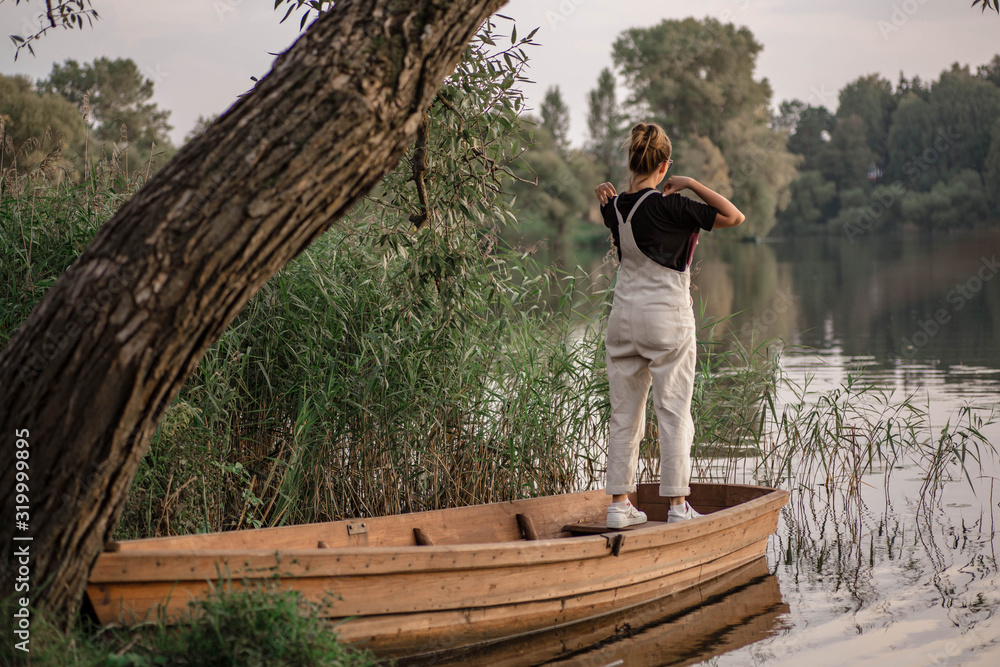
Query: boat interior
x=561 y=516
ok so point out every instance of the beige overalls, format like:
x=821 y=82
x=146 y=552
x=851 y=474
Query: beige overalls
x=651 y=336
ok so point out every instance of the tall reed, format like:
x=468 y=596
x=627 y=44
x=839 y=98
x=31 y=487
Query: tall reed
x=342 y=390
x=46 y=220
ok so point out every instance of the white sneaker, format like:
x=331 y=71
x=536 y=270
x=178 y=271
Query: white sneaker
x=624 y=514
x=681 y=513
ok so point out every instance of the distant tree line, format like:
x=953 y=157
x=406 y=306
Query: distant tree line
x=921 y=154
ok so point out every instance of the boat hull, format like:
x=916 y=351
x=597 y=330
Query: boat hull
x=477 y=582
x=737 y=608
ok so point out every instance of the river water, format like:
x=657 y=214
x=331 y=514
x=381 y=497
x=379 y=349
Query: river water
x=907 y=582
x=896 y=575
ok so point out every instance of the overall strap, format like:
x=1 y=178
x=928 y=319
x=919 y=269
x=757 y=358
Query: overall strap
x=634 y=208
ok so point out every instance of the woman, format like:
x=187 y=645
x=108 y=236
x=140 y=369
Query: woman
x=651 y=332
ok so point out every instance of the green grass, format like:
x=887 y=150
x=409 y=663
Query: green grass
x=255 y=626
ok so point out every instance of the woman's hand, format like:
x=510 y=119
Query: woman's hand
x=728 y=215
x=605 y=192
x=676 y=184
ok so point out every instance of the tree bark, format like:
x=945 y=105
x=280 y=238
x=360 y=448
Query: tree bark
x=92 y=369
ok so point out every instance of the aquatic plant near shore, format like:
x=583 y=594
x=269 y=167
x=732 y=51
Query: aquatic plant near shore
x=760 y=426
x=836 y=449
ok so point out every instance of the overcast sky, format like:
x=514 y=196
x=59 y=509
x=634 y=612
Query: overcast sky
x=202 y=53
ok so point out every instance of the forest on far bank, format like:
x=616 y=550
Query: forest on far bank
x=920 y=154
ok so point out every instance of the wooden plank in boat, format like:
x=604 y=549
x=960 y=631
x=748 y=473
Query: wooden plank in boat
x=405 y=592
x=139 y=566
x=591 y=527
x=527 y=527
x=478 y=524
x=407 y=633
x=401 y=634
x=475 y=524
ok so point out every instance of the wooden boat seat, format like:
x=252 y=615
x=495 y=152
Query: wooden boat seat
x=527 y=527
x=592 y=527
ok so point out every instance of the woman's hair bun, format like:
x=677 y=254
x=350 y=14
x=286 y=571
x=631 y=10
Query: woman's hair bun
x=648 y=147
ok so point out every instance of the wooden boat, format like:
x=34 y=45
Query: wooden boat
x=432 y=581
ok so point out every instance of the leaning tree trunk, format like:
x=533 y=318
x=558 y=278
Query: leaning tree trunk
x=92 y=369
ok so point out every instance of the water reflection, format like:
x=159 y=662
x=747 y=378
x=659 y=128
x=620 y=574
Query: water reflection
x=748 y=287
x=715 y=617
x=738 y=617
x=914 y=579
x=888 y=297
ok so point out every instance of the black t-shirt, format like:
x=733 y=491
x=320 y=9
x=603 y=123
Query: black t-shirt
x=665 y=228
